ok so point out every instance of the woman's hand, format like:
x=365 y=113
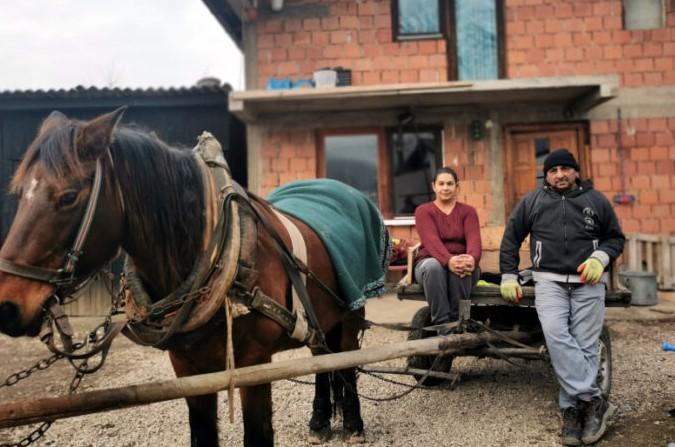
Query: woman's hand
x=462 y=265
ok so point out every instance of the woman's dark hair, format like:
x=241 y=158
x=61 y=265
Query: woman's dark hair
x=446 y=170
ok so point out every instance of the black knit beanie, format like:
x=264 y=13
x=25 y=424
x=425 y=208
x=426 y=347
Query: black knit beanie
x=560 y=157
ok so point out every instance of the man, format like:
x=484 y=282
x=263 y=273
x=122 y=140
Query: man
x=574 y=236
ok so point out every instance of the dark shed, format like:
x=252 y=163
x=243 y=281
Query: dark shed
x=177 y=115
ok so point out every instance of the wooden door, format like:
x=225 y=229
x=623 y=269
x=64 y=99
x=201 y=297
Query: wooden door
x=526 y=149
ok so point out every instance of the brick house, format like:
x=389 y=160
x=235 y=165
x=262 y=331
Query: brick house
x=488 y=87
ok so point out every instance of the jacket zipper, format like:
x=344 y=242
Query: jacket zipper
x=564 y=223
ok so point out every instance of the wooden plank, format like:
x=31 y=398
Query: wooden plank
x=29 y=411
x=666 y=263
x=649 y=245
x=633 y=254
x=490 y=296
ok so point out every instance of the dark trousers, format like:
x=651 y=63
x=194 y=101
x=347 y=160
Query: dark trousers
x=443 y=289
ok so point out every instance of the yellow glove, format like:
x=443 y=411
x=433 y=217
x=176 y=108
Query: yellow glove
x=511 y=291
x=591 y=271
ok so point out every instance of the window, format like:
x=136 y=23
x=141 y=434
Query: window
x=476 y=34
x=415 y=19
x=353 y=159
x=643 y=14
x=416 y=156
x=393 y=167
x=473 y=29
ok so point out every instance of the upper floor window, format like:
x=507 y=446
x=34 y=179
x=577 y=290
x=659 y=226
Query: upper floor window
x=643 y=14
x=477 y=39
x=472 y=28
x=415 y=19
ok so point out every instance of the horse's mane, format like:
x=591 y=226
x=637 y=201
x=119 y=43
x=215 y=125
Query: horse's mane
x=161 y=186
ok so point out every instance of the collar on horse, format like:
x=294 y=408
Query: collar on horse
x=227 y=238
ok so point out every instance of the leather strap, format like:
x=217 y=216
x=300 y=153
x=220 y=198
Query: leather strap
x=299 y=248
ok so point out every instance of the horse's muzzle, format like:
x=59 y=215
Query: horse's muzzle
x=10 y=319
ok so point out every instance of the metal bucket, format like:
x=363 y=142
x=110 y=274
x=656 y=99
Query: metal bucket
x=642 y=286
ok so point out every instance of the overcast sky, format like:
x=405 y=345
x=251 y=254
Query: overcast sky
x=122 y=43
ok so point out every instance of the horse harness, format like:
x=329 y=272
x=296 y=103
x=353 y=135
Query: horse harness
x=225 y=270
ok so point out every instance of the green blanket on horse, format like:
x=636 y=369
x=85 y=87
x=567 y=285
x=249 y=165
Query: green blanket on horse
x=351 y=228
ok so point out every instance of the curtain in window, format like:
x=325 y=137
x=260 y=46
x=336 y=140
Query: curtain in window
x=418 y=17
x=476 y=25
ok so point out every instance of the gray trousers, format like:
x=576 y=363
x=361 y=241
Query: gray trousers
x=571 y=317
x=443 y=289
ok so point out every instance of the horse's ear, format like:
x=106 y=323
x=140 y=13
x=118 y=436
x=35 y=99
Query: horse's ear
x=54 y=119
x=97 y=134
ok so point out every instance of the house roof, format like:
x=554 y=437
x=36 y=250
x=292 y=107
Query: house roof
x=228 y=13
x=111 y=97
x=579 y=93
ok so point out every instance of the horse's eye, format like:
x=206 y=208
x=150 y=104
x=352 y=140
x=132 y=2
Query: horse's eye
x=67 y=199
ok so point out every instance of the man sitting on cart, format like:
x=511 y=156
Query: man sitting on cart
x=447 y=261
x=574 y=236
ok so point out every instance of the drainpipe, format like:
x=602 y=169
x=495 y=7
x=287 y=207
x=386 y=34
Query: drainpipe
x=622 y=198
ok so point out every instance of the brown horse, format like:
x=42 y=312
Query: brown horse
x=151 y=205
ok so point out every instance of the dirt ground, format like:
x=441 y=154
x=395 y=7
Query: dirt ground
x=494 y=403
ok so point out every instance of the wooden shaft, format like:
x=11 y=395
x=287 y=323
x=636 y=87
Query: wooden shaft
x=29 y=411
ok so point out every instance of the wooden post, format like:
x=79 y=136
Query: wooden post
x=633 y=255
x=28 y=411
x=666 y=266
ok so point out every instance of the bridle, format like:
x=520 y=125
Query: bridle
x=64 y=277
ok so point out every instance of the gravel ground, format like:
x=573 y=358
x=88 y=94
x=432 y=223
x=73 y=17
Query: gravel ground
x=494 y=403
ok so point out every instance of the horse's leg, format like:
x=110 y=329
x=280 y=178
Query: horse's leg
x=256 y=401
x=352 y=423
x=256 y=406
x=322 y=409
x=203 y=410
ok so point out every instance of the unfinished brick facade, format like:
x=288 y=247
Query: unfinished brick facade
x=541 y=39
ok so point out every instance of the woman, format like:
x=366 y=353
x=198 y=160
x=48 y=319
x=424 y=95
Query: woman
x=447 y=261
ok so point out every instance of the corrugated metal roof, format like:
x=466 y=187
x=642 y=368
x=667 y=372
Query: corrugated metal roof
x=81 y=96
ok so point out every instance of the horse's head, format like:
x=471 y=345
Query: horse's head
x=54 y=183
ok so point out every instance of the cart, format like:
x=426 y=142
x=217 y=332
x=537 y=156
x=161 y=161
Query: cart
x=487 y=311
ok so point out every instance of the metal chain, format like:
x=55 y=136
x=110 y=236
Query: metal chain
x=80 y=370
x=41 y=365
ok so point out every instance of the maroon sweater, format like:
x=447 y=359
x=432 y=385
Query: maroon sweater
x=444 y=236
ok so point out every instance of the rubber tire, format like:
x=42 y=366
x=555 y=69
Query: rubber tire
x=422 y=318
x=604 y=378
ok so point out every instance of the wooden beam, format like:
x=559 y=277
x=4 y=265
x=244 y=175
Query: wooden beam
x=30 y=411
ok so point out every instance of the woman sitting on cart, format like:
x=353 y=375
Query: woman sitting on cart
x=447 y=261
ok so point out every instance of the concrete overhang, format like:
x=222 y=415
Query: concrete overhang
x=576 y=93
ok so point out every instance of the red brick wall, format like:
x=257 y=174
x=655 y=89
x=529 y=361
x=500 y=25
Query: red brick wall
x=543 y=38
x=575 y=37
x=355 y=35
x=648 y=168
x=287 y=156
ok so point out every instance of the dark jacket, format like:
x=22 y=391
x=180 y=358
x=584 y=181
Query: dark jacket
x=565 y=229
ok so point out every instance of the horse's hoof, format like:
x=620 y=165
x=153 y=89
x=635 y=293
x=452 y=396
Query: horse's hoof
x=354 y=437
x=320 y=436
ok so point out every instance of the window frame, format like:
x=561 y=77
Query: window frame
x=451 y=47
x=390 y=132
x=383 y=160
x=384 y=135
x=442 y=24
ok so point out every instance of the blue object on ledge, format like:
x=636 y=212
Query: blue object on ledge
x=278 y=84
x=668 y=347
x=303 y=83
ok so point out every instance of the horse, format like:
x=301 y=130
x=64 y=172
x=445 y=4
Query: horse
x=151 y=205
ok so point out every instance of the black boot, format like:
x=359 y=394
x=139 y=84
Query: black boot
x=595 y=423
x=573 y=418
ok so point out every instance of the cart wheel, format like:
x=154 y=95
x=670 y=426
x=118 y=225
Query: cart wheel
x=422 y=318
x=604 y=379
